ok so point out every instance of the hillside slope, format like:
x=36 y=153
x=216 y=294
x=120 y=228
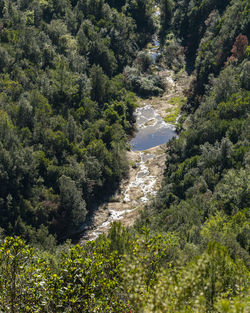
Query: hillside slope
x=189 y=250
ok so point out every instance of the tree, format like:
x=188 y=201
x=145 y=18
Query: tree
x=166 y=13
x=200 y=284
x=99 y=84
x=142 y=12
x=239 y=47
x=73 y=207
x=116 y=4
x=64 y=84
x=22 y=285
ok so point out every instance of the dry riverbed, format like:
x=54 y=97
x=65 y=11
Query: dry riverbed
x=145 y=171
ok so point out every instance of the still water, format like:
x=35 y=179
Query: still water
x=152 y=130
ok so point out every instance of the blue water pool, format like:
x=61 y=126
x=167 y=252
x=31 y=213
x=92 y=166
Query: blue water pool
x=152 y=130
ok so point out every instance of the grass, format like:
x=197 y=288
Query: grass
x=172 y=113
x=169 y=110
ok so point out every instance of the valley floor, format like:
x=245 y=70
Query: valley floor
x=146 y=168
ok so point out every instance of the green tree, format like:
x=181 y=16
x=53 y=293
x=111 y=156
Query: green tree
x=22 y=284
x=73 y=206
x=166 y=13
x=142 y=12
x=99 y=84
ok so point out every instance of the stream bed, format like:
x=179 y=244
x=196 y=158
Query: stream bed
x=142 y=185
x=148 y=158
x=152 y=129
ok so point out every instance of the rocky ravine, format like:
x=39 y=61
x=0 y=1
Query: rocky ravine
x=146 y=167
x=145 y=172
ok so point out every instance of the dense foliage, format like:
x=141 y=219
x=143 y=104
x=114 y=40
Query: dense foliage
x=209 y=30
x=65 y=113
x=205 y=194
x=207 y=167
x=121 y=273
x=65 y=110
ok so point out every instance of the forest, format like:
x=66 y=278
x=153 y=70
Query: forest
x=70 y=75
